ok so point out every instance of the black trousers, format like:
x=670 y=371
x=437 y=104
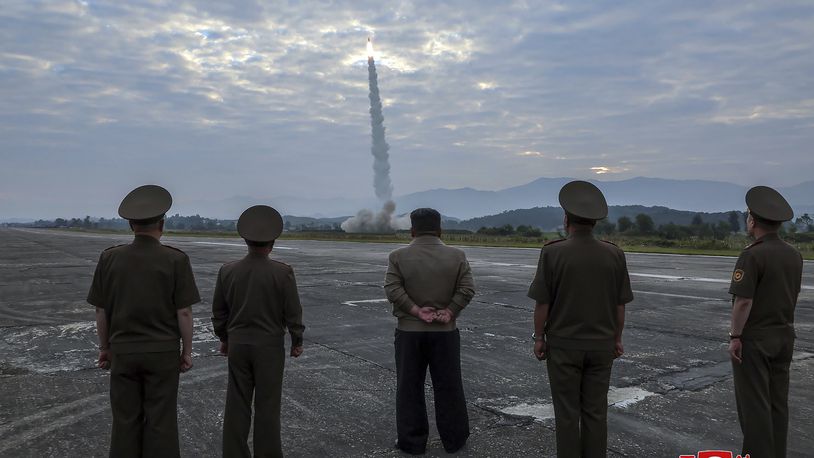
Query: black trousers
x=441 y=352
x=144 y=401
x=762 y=395
x=254 y=370
x=579 y=391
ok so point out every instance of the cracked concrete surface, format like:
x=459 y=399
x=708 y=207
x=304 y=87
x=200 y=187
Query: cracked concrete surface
x=672 y=389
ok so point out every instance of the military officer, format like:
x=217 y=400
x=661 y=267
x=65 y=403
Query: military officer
x=255 y=302
x=581 y=288
x=429 y=284
x=765 y=286
x=143 y=293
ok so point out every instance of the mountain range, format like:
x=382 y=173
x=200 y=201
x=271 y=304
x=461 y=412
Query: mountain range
x=688 y=195
x=467 y=203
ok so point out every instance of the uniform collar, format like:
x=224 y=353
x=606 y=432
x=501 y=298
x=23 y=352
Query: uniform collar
x=769 y=236
x=256 y=255
x=427 y=239
x=141 y=239
x=581 y=234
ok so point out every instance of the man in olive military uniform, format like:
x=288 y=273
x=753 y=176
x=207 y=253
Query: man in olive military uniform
x=255 y=302
x=581 y=288
x=429 y=284
x=143 y=293
x=765 y=286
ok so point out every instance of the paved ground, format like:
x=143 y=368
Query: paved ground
x=672 y=391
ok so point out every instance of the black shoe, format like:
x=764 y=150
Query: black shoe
x=455 y=448
x=411 y=451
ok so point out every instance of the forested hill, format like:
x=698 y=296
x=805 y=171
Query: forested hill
x=549 y=218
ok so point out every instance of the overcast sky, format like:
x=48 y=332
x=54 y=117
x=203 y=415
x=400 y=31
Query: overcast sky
x=240 y=98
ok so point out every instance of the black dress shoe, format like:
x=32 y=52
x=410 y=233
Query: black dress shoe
x=411 y=451
x=455 y=448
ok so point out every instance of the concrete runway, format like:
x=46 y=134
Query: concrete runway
x=672 y=390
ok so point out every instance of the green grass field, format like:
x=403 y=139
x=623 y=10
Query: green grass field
x=730 y=246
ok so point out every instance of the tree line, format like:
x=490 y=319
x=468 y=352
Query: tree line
x=174 y=222
x=640 y=225
x=643 y=225
x=194 y=223
x=508 y=229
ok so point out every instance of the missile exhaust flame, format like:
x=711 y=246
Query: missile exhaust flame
x=366 y=220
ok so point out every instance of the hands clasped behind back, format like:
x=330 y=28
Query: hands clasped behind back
x=429 y=314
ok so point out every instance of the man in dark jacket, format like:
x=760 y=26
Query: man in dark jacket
x=143 y=293
x=765 y=286
x=255 y=303
x=581 y=288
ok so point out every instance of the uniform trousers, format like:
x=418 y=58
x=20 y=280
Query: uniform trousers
x=254 y=370
x=144 y=401
x=579 y=391
x=762 y=393
x=441 y=352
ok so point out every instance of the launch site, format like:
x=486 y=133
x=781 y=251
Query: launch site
x=674 y=139
x=670 y=394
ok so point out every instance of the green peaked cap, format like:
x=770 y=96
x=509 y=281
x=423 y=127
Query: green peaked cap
x=584 y=200
x=145 y=203
x=768 y=204
x=260 y=223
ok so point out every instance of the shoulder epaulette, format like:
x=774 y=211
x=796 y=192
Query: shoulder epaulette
x=114 y=246
x=608 y=241
x=554 y=241
x=758 y=242
x=279 y=262
x=173 y=248
x=227 y=265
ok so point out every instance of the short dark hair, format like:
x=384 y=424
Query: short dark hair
x=146 y=224
x=425 y=220
x=766 y=224
x=252 y=243
x=577 y=220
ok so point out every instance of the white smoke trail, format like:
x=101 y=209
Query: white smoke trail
x=385 y=220
x=379 y=148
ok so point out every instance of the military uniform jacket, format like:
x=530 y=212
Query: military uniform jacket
x=141 y=286
x=770 y=273
x=428 y=273
x=255 y=301
x=583 y=280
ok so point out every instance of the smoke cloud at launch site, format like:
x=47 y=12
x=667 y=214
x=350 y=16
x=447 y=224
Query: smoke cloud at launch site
x=385 y=220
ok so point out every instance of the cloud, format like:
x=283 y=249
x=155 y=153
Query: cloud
x=217 y=99
x=486 y=85
x=802 y=109
x=603 y=170
x=541 y=155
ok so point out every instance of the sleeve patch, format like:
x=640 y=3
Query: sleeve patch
x=737 y=276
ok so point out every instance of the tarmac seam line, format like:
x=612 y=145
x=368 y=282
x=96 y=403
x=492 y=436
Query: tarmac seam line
x=31 y=434
x=349 y=355
x=502 y=305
